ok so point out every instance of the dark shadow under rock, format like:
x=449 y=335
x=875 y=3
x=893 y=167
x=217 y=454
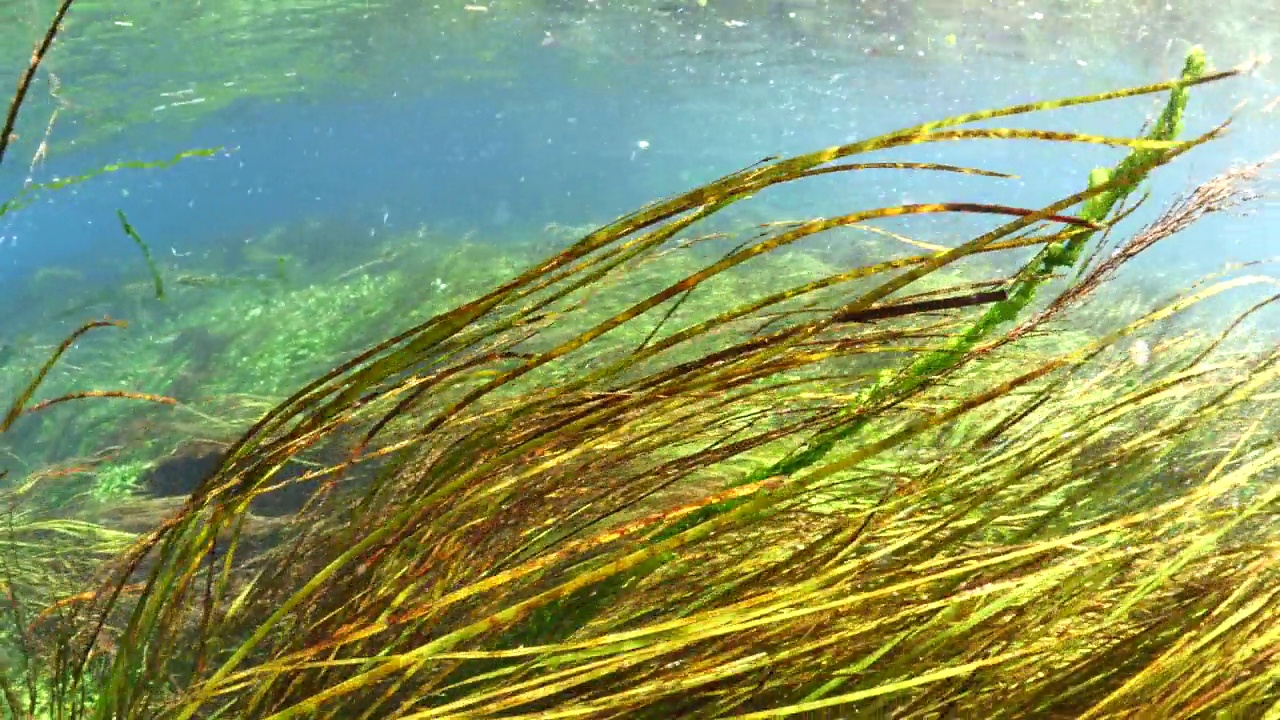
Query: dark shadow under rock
x=181 y=472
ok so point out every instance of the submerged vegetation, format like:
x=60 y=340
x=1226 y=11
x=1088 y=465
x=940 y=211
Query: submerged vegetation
x=669 y=472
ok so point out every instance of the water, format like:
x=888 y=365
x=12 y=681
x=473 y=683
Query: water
x=373 y=121
x=357 y=135
x=422 y=127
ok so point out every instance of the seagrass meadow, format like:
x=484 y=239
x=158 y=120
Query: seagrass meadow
x=668 y=468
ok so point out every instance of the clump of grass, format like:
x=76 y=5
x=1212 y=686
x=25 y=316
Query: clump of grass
x=605 y=487
x=118 y=480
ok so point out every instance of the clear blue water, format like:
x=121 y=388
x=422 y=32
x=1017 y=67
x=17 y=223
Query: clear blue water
x=412 y=138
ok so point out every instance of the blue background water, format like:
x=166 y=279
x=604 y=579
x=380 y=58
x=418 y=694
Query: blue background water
x=408 y=145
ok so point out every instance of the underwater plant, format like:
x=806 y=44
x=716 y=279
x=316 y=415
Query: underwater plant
x=607 y=486
x=637 y=479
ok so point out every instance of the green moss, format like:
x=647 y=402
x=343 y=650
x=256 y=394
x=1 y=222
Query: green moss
x=114 y=481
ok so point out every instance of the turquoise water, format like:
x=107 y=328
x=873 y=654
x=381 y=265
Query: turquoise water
x=342 y=126
x=502 y=121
